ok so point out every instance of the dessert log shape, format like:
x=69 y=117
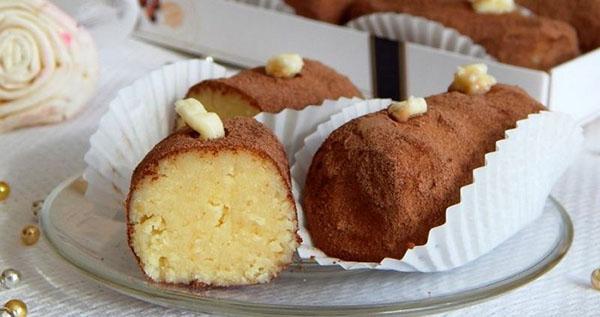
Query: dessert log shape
x=376 y=187
x=213 y=213
x=331 y=11
x=584 y=15
x=253 y=90
x=528 y=41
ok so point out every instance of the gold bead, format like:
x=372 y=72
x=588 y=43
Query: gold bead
x=596 y=279
x=17 y=307
x=30 y=234
x=4 y=190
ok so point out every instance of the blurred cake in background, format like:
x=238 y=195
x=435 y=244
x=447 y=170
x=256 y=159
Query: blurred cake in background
x=537 y=42
x=48 y=64
x=583 y=15
x=508 y=35
x=332 y=11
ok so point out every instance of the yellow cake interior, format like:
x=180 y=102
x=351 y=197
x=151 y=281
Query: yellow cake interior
x=226 y=104
x=216 y=218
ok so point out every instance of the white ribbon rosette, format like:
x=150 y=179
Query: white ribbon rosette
x=48 y=65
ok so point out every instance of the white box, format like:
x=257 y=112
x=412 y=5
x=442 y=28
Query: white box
x=247 y=36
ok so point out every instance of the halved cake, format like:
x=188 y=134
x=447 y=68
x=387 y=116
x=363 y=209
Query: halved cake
x=255 y=90
x=213 y=211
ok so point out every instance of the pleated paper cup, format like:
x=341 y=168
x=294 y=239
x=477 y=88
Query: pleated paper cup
x=408 y=28
x=138 y=118
x=507 y=193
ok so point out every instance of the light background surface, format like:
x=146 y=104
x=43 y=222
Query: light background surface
x=35 y=160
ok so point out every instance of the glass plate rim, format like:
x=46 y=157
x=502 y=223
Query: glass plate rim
x=169 y=298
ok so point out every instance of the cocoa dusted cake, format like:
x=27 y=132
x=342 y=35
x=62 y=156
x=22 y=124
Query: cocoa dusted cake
x=331 y=11
x=213 y=206
x=381 y=182
x=528 y=41
x=287 y=81
x=584 y=15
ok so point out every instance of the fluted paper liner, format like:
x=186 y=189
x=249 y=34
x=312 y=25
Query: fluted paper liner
x=143 y=114
x=408 y=28
x=507 y=193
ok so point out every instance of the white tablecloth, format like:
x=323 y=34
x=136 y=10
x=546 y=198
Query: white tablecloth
x=35 y=160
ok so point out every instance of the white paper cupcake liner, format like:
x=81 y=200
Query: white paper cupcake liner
x=138 y=118
x=507 y=193
x=408 y=28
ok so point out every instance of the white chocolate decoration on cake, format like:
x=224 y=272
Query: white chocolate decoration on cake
x=473 y=79
x=193 y=113
x=284 y=65
x=493 y=6
x=48 y=64
x=404 y=110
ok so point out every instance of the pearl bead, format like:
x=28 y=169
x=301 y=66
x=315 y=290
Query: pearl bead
x=10 y=278
x=4 y=190
x=596 y=279
x=17 y=307
x=30 y=234
x=36 y=207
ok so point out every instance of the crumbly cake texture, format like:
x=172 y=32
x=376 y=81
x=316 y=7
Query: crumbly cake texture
x=528 y=41
x=213 y=213
x=332 y=11
x=376 y=187
x=252 y=91
x=581 y=14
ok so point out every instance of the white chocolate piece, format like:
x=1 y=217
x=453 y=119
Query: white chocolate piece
x=207 y=124
x=284 y=65
x=190 y=106
x=404 y=110
x=473 y=79
x=493 y=6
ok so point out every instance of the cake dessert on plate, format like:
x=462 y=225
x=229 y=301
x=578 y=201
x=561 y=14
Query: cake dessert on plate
x=287 y=81
x=211 y=204
x=379 y=183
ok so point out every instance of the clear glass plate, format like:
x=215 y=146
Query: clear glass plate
x=95 y=243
